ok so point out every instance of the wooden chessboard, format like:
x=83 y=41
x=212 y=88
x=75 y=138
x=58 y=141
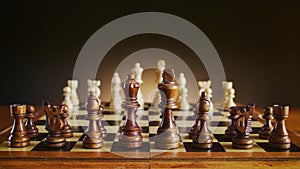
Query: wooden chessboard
x=111 y=155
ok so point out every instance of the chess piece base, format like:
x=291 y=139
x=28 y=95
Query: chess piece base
x=242 y=143
x=280 y=146
x=67 y=132
x=166 y=145
x=18 y=141
x=55 y=141
x=92 y=143
x=135 y=140
x=202 y=145
x=167 y=139
x=264 y=135
x=17 y=145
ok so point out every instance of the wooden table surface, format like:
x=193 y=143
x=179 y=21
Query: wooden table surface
x=162 y=160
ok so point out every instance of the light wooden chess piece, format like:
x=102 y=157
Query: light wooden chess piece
x=182 y=99
x=67 y=97
x=205 y=86
x=138 y=71
x=73 y=84
x=94 y=85
x=229 y=95
x=116 y=93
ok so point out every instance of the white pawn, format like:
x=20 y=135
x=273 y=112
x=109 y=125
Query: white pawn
x=73 y=84
x=182 y=88
x=67 y=97
x=138 y=71
x=229 y=94
x=161 y=65
x=94 y=85
x=116 y=93
x=184 y=105
x=209 y=95
x=203 y=85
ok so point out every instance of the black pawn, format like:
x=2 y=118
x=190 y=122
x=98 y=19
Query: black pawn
x=31 y=128
x=266 y=130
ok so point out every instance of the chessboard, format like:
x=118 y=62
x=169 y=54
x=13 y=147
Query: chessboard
x=149 y=121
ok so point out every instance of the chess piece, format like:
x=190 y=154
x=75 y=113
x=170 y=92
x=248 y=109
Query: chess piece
x=161 y=65
x=229 y=95
x=230 y=131
x=73 y=84
x=279 y=138
x=266 y=130
x=243 y=128
x=196 y=126
x=182 y=101
x=32 y=130
x=167 y=134
x=92 y=136
x=66 y=130
x=138 y=71
x=205 y=86
x=18 y=135
x=101 y=126
x=67 y=97
x=130 y=136
x=54 y=124
x=116 y=93
x=94 y=85
x=202 y=138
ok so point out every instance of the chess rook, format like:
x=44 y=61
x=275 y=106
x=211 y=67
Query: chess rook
x=54 y=124
x=18 y=136
x=167 y=134
x=92 y=136
x=202 y=138
x=266 y=130
x=243 y=127
x=67 y=130
x=31 y=128
x=279 y=138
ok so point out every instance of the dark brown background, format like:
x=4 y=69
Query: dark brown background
x=258 y=43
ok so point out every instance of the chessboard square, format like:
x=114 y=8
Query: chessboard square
x=143 y=117
x=79 y=129
x=40 y=137
x=4 y=146
x=143 y=122
x=221 y=138
x=153 y=129
x=43 y=147
x=112 y=129
x=112 y=117
x=267 y=148
x=78 y=147
x=228 y=148
x=184 y=118
x=218 y=123
x=185 y=138
x=76 y=137
x=42 y=129
x=256 y=124
x=152 y=137
x=179 y=149
x=40 y=122
x=154 y=123
x=145 y=137
x=78 y=122
x=43 y=118
x=217 y=130
x=255 y=130
x=184 y=129
x=81 y=117
x=144 y=129
x=111 y=122
x=255 y=138
x=154 y=118
x=110 y=111
x=219 y=118
x=116 y=148
x=216 y=147
x=183 y=113
x=155 y=113
x=184 y=123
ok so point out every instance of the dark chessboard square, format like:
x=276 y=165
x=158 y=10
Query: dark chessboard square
x=144 y=129
x=111 y=122
x=218 y=123
x=217 y=147
x=80 y=117
x=40 y=122
x=152 y=137
x=40 y=137
x=109 y=137
x=154 y=113
x=221 y=138
x=266 y=147
x=116 y=148
x=253 y=119
x=110 y=112
x=141 y=117
x=255 y=130
x=218 y=113
x=79 y=129
x=42 y=147
x=154 y=123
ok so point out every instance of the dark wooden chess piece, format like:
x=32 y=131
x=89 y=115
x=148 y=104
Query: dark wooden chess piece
x=18 y=136
x=101 y=126
x=196 y=125
x=203 y=139
x=266 y=130
x=31 y=128
x=279 y=138
x=243 y=127
x=54 y=124
x=92 y=136
x=230 y=131
x=167 y=134
x=130 y=136
x=67 y=130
